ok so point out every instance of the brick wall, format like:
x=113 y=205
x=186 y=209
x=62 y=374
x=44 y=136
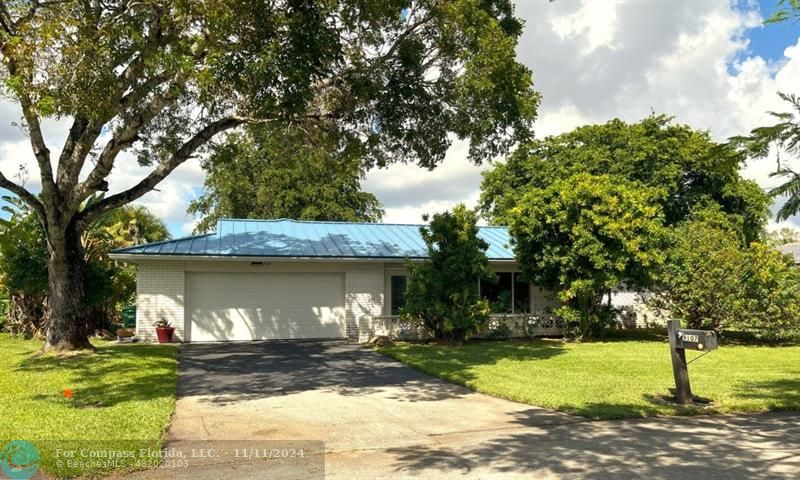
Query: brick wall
x=364 y=294
x=159 y=293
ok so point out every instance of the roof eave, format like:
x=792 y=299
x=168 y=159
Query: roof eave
x=138 y=257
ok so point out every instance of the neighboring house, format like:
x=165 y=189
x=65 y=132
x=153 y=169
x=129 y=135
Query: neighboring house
x=634 y=310
x=792 y=249
x=286 y=279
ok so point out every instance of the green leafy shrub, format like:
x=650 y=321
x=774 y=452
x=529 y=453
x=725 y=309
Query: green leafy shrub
x=713 y=282
x=499 y=328
x=443 y=290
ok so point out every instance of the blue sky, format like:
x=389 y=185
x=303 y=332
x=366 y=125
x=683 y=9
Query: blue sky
x=769 y=41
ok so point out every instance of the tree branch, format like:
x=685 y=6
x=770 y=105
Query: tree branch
x=24 y=194
x=82 y=137
x=166 y=167
x=40 y=150
x=123 y=138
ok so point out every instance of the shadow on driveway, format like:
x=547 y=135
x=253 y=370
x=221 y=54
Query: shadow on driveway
x=232 y=372
x=723 y=447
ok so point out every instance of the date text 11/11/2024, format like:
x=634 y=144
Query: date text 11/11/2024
x=250 y=453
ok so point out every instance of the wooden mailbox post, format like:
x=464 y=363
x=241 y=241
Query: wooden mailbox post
x=679 y=341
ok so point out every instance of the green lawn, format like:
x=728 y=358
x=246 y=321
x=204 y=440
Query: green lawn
x=614 y=379
x=123 y=398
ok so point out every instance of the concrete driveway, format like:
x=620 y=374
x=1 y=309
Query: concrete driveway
x=380 y=419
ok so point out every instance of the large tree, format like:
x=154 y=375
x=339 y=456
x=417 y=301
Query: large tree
x=398 y=79
x=23 y=264
x=688 y=168
x=264 y=173
x=711 y=281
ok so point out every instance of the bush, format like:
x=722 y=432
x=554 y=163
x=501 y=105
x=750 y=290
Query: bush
x=498 y=328
x=711 y=281
x=442 y=291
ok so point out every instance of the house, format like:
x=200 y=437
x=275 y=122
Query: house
x=287 y=279
x=792 y=249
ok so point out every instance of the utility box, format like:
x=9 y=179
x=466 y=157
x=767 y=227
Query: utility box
x=129 y=317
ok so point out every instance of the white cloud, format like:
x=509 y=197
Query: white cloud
x=595 y=22
x=596 y=60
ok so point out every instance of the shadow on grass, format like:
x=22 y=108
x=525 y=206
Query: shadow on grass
x=111 y=375
x=455 y=363
x=657 y=405
x=782 y=394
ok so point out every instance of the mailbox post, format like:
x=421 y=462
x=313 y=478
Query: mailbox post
x=679 y=341
x=683 y=390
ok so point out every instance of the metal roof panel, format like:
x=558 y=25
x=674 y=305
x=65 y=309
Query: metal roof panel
x=294 y=238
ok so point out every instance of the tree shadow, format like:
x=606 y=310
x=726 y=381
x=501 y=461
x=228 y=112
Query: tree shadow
x=456 y=365
x=754 y=447
x=654 y=407
x=231 y=372
x=782 y=394
x=112 y=375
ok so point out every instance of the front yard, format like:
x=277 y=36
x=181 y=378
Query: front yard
x=122 y=397
x=615 y=379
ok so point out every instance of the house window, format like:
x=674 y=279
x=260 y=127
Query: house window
x=522 y=295
x=398 y=286
x=499 y=293
x=509 y=294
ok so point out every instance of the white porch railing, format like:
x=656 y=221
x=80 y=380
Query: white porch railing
x=501 y=325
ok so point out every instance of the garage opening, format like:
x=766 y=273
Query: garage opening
x=264 y=306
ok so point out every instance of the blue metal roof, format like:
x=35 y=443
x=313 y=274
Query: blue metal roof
x=293 y=238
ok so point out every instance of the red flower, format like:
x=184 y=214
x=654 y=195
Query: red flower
x=68 y=393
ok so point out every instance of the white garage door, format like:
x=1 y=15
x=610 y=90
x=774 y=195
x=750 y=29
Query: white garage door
x=265 y=306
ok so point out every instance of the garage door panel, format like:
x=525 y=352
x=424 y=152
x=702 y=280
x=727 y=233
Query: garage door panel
x=263 y=306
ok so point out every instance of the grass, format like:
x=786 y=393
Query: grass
x=613 y=379
x=123 y=397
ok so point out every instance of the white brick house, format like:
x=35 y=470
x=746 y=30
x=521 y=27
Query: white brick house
x=284 y=279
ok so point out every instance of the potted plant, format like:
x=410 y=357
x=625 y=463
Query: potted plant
x=164 y=331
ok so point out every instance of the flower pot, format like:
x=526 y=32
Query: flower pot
x=165 y=334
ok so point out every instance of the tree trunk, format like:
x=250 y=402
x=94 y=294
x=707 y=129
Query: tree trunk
x=66 y=294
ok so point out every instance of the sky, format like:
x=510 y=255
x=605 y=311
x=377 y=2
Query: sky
x=711 y=64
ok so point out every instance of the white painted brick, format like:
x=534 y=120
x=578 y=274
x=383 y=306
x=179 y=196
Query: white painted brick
x=159 y=294
x=364 y=295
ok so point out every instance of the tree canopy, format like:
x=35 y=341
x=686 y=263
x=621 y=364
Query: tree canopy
x=396 y=80
x=711 y=281
x=265 y=173
x=687 y=167
x=584 y=235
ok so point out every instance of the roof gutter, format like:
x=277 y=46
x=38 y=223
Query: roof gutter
x=139 y=257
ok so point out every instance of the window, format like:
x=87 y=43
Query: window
x=508 y=295
x=522 y=295
x=499 y=293
x=398 y=286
